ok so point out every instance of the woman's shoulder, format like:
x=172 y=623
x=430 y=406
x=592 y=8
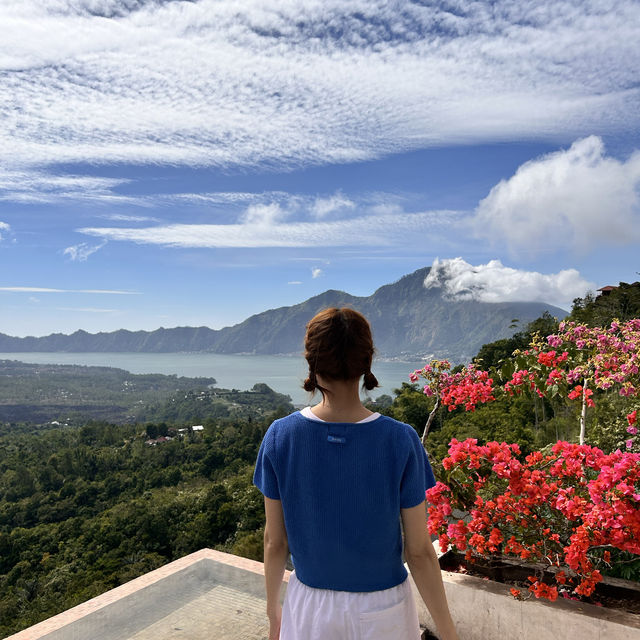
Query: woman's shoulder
x=286 y=422
x=401 y=431
x=396 y=424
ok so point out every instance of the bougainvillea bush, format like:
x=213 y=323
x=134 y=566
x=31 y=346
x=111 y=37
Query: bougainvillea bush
x=571 y=510
x=566 y=511
x=577 y=365
x=464 y=388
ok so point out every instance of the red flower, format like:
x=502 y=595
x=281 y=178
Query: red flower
x=575 y=393
x=577 y=497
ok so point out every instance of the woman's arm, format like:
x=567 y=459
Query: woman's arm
x=425 y=569
x=276 y=551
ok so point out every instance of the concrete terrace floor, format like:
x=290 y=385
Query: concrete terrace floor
x=222 y=613
x=207 y=595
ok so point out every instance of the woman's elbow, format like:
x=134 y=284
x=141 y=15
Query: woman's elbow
x=274 y=542
x=420 y=553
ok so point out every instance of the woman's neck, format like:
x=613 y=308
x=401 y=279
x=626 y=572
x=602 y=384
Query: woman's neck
x=341 y=402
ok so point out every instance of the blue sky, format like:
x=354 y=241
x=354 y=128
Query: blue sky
x=168 y=163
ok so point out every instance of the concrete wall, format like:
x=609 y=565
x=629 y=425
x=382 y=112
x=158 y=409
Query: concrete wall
x=485 y=610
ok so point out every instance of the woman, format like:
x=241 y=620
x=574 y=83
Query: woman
x=337 y=479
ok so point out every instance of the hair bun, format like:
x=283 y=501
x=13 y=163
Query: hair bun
x=310 y=383
x=370 y=381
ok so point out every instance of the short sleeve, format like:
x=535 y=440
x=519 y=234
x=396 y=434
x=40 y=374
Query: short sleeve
x=264 y=475
x=418 y=475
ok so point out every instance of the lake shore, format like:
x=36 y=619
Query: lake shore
x=283 y=374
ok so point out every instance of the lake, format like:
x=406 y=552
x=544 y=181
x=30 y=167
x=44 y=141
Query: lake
x=282 y=373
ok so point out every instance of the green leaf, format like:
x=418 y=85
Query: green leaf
x=507 y=370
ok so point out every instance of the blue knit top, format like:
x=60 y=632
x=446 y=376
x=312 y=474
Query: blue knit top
x=342 y=486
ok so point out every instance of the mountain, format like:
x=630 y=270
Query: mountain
x=407 y=320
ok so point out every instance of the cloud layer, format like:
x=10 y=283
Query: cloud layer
x=370 y=231
x=264 y=82
x=575 y=198
x=36 y=186
x=493 y=282
x=51 y=290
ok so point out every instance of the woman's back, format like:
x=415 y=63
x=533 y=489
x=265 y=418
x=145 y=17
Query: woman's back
x=342 y=486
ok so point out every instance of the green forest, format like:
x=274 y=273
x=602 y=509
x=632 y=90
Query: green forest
x=70 y=394
x=86 y=507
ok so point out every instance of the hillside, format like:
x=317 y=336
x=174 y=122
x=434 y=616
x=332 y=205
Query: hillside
x=407 y=319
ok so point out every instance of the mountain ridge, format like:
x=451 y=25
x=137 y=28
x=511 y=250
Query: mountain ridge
x=407 y=319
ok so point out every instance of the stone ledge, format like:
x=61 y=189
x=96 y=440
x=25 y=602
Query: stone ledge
x=483 y=609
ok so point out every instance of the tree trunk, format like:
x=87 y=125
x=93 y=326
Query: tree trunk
x=427 y=426
x=583 y=413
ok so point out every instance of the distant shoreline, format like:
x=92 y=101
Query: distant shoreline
x=246 y=354
x=282 y=373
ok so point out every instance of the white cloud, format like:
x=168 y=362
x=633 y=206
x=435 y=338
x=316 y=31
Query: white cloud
x=119 y=217
x=87 y=309
x=381 y=230
x=51 y=290
x=263 y=214
x=80 y=252
x=4 y=228
x=323 y=207
x=294 y=282
x=576 y=198
x=316 y=272
x=493 y=282
x=386 y=208
x=38 y=186
x=227 y=197
x=266 y=82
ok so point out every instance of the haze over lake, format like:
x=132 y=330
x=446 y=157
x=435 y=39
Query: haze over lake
x=282 y=373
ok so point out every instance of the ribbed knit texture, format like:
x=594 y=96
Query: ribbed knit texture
x=342 y=486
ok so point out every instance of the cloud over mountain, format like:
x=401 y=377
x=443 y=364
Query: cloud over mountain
x=493 y=282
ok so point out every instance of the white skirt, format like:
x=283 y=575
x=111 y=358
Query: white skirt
x=323 y=614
